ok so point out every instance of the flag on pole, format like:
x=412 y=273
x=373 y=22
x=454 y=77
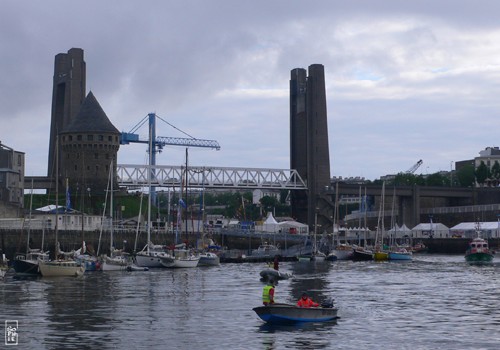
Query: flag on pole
x=182 y=203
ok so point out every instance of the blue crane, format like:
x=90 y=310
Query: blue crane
x=156 y=143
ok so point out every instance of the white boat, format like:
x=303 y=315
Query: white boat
x=151 y=256
x=181 y=258
x=266 y=250
x=342 y=252
x=209 y=259
x=120 y=261
x=56 y=268
x=318 y=256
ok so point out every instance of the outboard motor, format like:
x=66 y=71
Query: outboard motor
x=328 y=303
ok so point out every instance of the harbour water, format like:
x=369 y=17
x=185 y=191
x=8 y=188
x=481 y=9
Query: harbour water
x=432 y=302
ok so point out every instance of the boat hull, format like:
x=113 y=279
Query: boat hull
x=291 y=314
x=59 y=268
x=479 y=258
x=400 y=256
x=29 y=267
x=209 y=259
x=342 y=254
x=380 y=256
x=148 y=260
x=362 y=255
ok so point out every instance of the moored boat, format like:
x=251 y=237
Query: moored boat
x=56 y=268
x=151 y=255
x=342 y=252
x=209 y=259
x=292 y=314
x=400 y=254
x=28 y=263
x=362 y=254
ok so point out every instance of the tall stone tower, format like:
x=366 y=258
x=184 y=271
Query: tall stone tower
x=67 y=95
x=89 y=146
x=309 y=152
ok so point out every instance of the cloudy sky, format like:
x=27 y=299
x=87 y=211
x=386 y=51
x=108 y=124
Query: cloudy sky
x=405 y=80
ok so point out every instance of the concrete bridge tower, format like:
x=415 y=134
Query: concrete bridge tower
x=309 y=151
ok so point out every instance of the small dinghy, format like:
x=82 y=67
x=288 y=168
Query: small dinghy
x=292 y=314
x=274 y=275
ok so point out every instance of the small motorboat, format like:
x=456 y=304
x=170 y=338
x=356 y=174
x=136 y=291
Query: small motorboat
x=293 y=314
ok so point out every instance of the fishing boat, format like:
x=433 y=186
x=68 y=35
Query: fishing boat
x=292 y=314
x=478 y=252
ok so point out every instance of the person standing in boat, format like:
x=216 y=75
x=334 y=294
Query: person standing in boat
x=276 y=263
x=268 y=293
x=305 y=301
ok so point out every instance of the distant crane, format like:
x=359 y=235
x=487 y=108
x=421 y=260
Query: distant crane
x=414 y=167
x=156 y=144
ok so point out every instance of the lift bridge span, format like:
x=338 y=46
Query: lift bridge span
x=130 y=175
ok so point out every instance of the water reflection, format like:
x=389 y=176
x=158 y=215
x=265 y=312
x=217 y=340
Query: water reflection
x=312 y=278
x=78 y=304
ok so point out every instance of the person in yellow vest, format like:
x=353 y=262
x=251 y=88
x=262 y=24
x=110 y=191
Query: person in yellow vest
x=268 y=293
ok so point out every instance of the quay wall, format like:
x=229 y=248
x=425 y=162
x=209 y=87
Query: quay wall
x=14 y=241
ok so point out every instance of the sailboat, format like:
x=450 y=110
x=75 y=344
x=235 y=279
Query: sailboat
x=151 y=255
x=341 y=251
x=58 y=266
x=181 y=256
x=396 y=252
x=27 y=263
x=380 y=254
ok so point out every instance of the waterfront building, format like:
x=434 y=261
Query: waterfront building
x=89 y=147
x=11 y=182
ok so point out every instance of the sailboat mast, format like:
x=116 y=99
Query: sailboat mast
x=29 y=227
x=56 y=250
x=186 y=189
x=149 y=183
x=111 y=209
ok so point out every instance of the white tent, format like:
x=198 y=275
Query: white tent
x=294 y=227
x=436 y=230
x=270 y=224
x=468 y=229
x=400 y=231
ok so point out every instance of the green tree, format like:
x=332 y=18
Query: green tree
x=465 y=176
x=495 y=170
x=482 y=173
